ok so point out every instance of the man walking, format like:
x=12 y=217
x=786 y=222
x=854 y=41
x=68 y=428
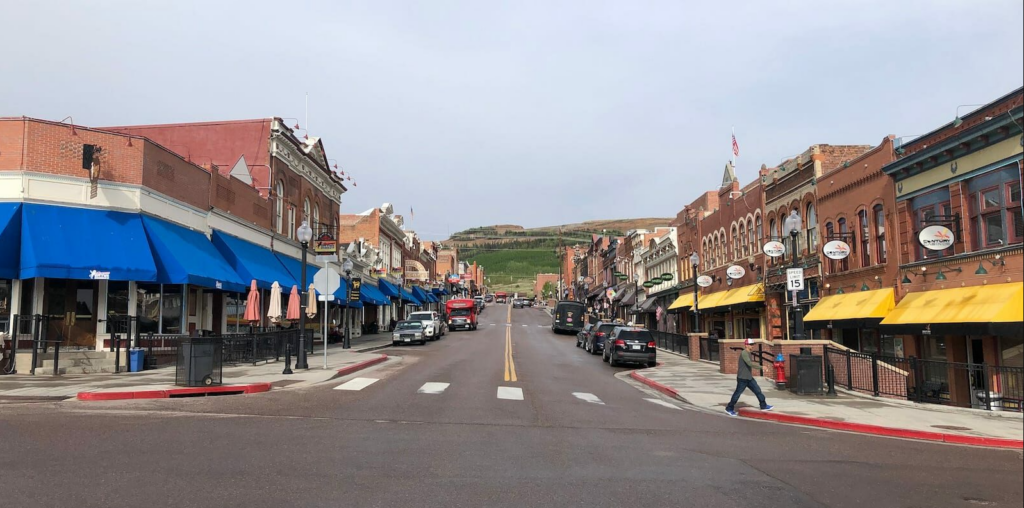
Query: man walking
x=745 y=379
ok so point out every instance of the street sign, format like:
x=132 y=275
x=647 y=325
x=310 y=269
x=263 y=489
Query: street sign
x=325 y=244
x=795 y=279
x=327 y=281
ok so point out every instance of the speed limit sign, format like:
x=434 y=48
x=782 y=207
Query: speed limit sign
x=795 y=279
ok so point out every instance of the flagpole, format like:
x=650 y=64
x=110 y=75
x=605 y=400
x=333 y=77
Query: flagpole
x=731 y=147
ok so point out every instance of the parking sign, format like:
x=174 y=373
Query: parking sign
x=795 y=279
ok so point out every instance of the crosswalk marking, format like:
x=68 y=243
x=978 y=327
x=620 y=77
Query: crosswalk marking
x=510 y=393
x=525 y=325
x=492 y=324
x=356 y=384
x=433 y=388
x=663 y=403
x=588 y=397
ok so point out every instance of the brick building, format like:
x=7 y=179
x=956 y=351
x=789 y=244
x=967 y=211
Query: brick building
x=690 y=238
x=382 y=230
x=544 y=278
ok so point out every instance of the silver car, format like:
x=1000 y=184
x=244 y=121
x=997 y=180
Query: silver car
x=408 y=332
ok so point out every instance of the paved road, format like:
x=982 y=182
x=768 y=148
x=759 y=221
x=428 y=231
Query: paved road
x=579 y=436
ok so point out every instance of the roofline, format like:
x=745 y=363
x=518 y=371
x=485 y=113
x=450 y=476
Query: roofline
x=185 y=124
x=976 y=111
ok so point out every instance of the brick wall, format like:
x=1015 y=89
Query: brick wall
x=168 y=174
x=51 y=148
x=241 y=200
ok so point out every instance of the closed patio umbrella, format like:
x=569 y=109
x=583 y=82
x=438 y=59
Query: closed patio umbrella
x=293 y=304
x=274 y=311
x=252 y=304
x=311 y=303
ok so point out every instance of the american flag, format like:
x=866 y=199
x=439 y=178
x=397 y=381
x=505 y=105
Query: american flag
x=735 y=146
x=412 y=215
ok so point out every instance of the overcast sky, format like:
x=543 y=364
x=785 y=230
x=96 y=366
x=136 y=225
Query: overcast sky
x=526 y=112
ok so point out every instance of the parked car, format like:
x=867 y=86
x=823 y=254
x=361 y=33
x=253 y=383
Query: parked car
x=581 y=337
x=629 y=344
x=480 y=305
x=434 y=328
x=568 y=317
x=489 y=298
x=598 y=338
x=517 y=303
x=408 y=332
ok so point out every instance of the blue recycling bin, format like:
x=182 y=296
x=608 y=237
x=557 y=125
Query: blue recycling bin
x=136 y=359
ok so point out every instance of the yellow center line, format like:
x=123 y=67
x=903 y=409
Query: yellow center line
x=510 y=363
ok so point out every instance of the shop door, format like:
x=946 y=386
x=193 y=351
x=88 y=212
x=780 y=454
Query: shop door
x=976 y=372
x=71 y=307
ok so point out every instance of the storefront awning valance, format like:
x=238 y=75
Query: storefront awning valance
x=389 y=289
x=628 y=296
x=436 y=291
x=685 y=300
x=10 y=240
x=370 y=294
x=420 y=294
x=860 y=305
x=648 y=305
x=752 y=294
x=252 y=262
x=294 y=267
x=184 y=256
x=409 y=298
x=993 y=303
x=77 y=243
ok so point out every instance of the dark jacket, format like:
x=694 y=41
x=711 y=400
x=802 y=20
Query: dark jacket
x=745 y=365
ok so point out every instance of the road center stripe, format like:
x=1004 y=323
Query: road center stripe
x=356 y=384
x=510 y=393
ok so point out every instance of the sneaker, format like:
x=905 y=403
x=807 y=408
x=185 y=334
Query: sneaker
x=767 y=408
x=731 y=412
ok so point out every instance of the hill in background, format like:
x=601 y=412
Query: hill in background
x=512 y=255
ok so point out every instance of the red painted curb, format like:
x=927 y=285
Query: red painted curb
x=344 y=371
x=174 y=392
x=654 y=384
x=877 y=430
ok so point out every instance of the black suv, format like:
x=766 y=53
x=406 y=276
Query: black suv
x=631 y=345
x=598 y=336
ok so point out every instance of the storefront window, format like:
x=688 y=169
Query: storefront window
x=236 y=312
x=1011 y=351
x=117 y=298
x=147 y=308
x=927 y=207
x=882 y=252
x=27 y=290
x=6 y=291
x=935 y=349
x=170 y=309
x=812 y=228
x=995 y=208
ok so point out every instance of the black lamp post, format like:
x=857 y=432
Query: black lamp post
x=792 y=226
x=694 y=261
x=346 y=266
x=304 y=234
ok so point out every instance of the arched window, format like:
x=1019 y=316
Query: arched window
x=316 y=216
x=881 y=253
x=760 y=230
x=291 y=221
x=279 y=207
x=865 y=238
x=773 y=233
x=844 y=264
x=830 y=232
x=751 y=239
x=744 y=243
x=735 y=244
x=812 y=228
x=307 y=211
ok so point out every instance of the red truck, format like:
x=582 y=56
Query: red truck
x=500 y=297
x=461 y=314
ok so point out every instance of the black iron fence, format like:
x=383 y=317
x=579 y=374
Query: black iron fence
x=709 y=349
x=672 y=342
x=975 y=385
x=30 y=335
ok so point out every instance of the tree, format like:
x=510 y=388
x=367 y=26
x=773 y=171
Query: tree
x=549 y=288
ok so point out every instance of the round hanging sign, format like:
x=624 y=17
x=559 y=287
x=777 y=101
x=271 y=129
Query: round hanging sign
x=735 y=272
x=648 y=284
x=705 y=281
x=774 y=249
x=836 y=249
x=936 y=238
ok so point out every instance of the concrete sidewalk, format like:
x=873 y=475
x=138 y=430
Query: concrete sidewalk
x=339 y=362
x=701 y=385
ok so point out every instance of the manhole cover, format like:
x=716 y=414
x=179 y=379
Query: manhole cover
x=950 y=427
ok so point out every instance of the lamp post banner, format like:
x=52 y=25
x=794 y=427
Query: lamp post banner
x=353 y=291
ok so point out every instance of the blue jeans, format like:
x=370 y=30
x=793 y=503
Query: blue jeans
x=743 y=384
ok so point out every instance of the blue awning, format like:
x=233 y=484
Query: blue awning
x=388 y=289
x=184 y=256
x=252 y=262
x=10 y=240
x=369 y=293
x=294 y=267
x=420 y=294
x=78 y=243
x=409 y=297
x=431 y=298
x=436 y=291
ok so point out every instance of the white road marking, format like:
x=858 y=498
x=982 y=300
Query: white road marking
x=492 y=324
x=588 y=397
x=525 y=325
x=510 y=393
x=433 y=388
x=663 y=403
x=356 y=384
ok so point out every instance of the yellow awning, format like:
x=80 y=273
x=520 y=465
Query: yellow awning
x=860 y=305
x=747 y=294
x=994 y=303
x=709 y=301
x=683 y=301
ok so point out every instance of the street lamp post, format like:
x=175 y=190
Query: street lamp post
x=346 y=266
x=792 y=226
x=695 y=261
x=304 y=234
x=636 y=294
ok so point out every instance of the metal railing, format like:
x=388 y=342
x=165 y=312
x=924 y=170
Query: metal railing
x=975 y=385
x=261 y=346
x=673 y=342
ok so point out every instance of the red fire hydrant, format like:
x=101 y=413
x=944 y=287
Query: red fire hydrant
x=780 y=371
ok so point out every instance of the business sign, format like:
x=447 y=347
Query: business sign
x=705 y=281
x=454 y=279
x=97 y=275
x=353 y=292
x=836 y=249
x=936 y=238
x=588 y=280
x=774 y=248
x=325 y=244
x=795 y=279
x=610 y=293
x=467 y=276
x=735 y=272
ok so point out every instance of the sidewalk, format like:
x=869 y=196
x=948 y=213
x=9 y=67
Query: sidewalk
x=700 y=384
x=158 y=382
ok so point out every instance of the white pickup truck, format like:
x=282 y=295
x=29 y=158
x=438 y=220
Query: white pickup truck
x=434 y=328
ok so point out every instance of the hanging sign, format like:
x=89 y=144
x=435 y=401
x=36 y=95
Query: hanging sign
x=325 y=244
x=353 y=292
x=936 y=238
x=735 y=272
x=774 y=248
x=705 y=281
x=836 y=249
x=610 y=293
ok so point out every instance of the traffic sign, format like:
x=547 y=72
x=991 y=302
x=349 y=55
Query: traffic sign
x=795 y=279
x=326 y=281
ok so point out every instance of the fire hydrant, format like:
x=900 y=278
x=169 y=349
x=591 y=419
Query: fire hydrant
x=780 y=371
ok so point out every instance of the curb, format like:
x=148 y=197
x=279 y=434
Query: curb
x=355 y=367
x=877 y=430
x=175 y=392
x=671 y=392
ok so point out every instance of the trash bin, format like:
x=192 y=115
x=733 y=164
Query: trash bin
x=993 y=398
x=806 y=375
x=199 y=362
x=136 y=358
